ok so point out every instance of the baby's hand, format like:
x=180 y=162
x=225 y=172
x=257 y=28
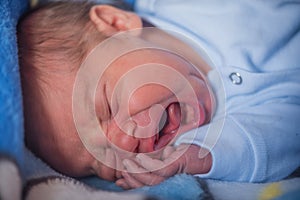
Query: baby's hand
x=108 y=164
x=145 y=170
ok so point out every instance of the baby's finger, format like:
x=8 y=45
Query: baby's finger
x=122 y=183
x=167 y=152
x=138 y=176
x=165 y=168
x=131 y=181
x=147 y=178
x=132 y=167
x=149 y=163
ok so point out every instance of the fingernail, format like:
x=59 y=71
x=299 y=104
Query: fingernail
x=138 y=157
x=141 y=156
x=125 y=163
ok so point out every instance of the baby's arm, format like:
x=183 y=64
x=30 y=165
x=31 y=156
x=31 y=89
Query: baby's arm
x=145 y=170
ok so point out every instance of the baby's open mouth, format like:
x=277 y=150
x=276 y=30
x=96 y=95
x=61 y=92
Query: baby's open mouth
x=168 y=126
x=176 y=115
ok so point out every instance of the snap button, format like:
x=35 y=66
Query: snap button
x=236 y=78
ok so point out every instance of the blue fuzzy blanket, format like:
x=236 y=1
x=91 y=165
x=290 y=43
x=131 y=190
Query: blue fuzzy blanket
x=40 y=181
x=11 y=121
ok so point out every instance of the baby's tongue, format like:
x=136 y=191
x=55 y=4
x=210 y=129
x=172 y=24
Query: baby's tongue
x=170 y=129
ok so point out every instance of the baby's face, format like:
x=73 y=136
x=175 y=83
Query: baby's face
x=134 y=117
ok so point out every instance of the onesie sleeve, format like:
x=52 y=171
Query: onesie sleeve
x=254 y=135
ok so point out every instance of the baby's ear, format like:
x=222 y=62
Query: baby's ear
x=110 y=20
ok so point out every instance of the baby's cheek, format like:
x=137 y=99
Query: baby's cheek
x=121 y=139
x=125 y=142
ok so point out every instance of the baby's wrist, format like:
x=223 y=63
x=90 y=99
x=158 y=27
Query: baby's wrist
x=198 y=160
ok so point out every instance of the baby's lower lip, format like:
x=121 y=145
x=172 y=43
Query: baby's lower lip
x=164 y=140
x=170 y=129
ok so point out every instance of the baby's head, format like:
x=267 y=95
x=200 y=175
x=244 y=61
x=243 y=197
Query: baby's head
x=53 y=42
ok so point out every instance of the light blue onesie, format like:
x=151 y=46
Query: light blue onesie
x=255 y=46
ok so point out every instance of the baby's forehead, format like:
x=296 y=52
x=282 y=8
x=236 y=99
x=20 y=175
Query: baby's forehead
x=124 y=51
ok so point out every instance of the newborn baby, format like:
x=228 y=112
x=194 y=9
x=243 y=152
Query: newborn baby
x=54 y=41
